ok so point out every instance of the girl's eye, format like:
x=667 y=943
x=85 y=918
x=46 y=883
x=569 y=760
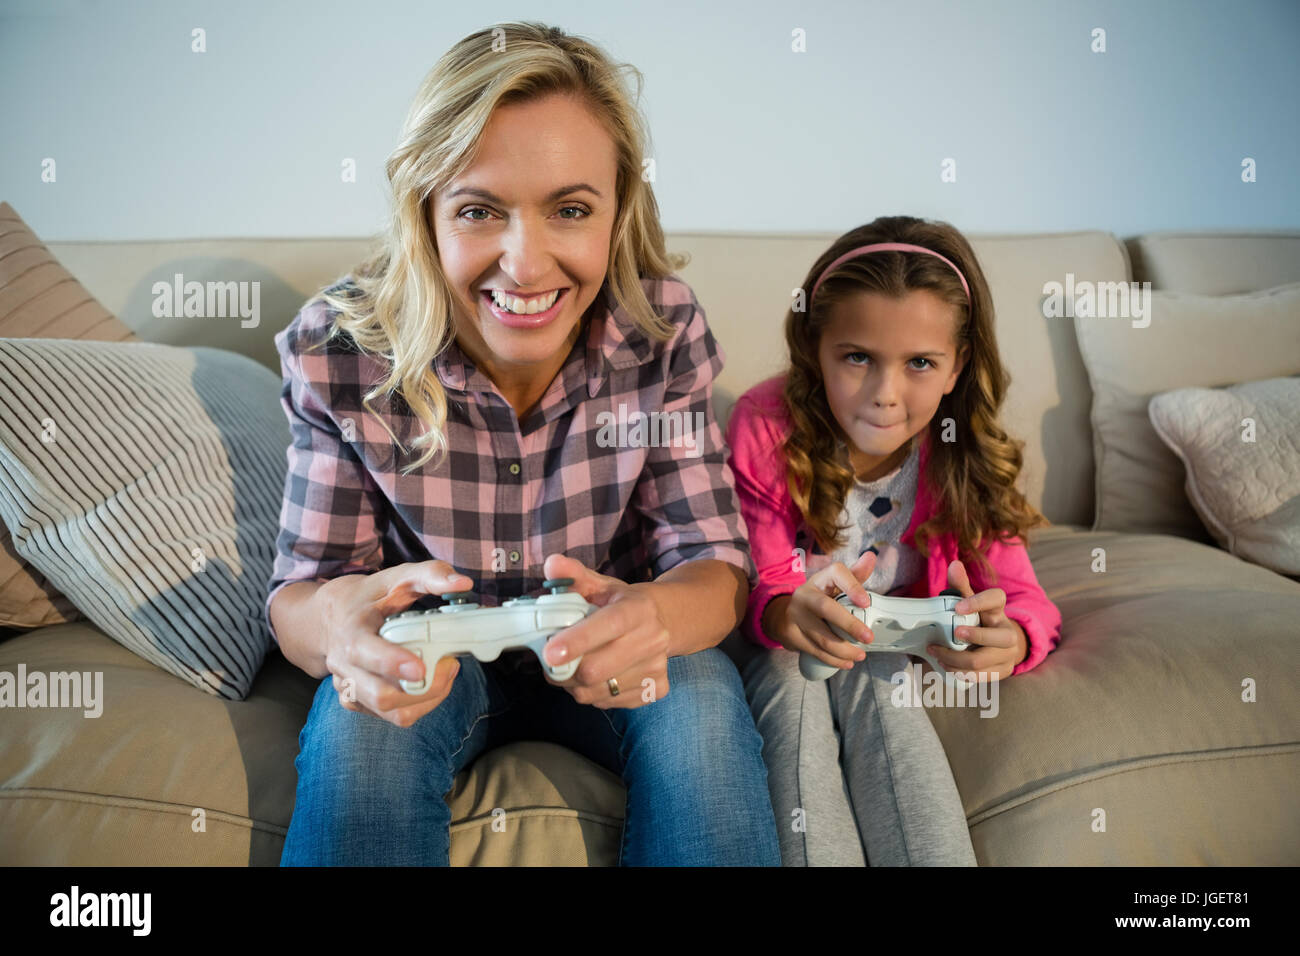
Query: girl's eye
x=578 y=209
x=862 y=358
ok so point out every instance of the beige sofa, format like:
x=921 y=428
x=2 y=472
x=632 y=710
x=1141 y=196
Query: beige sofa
x=1137 y=713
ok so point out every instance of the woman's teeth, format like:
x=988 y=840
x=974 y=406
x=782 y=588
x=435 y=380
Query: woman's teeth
x=510 y=303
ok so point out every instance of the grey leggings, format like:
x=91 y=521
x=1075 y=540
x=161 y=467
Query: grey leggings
x=853 y=778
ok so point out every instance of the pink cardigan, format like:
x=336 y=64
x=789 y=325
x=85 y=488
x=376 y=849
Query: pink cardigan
x=758 y=425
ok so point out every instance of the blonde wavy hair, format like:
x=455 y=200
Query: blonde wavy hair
x=973 y=477
x=401 y=305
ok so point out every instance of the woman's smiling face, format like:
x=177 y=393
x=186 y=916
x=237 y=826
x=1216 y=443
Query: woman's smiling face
x=532 y=216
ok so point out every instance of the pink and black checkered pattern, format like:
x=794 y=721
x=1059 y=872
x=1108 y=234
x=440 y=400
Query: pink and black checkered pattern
x=508 y=492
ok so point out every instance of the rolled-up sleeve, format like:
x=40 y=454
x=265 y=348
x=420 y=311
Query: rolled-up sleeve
x=328 y=523
x=686 y=494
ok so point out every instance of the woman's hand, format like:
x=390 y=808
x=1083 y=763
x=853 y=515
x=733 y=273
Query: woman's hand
x=625 y=639
x=366 y=667
x=998 y=644
x=801 y=622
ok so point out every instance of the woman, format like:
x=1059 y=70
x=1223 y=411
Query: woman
x=521 y=301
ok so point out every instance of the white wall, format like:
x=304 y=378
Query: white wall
x=154 y=141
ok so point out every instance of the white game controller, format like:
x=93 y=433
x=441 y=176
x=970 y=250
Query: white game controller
x=463 y=627
x=902 y=626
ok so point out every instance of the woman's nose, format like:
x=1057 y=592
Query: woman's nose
x=524 y=253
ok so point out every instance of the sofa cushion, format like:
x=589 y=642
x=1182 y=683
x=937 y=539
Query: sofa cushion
x=536 y=804
x=40 y=298
x=1191 y=340
x=1170 y=705
x=1240 y=447
x=122 y=788
x=1214 y=263
x=145 y=482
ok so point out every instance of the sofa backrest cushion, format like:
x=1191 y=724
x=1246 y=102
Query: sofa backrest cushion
x=1216 y=263
x=744 y=283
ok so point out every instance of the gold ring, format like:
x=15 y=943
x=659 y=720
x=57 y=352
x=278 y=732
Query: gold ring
x=613 y=686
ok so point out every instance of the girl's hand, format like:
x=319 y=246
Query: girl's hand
x=366 y=667
x=801 y=623
x=998 y=644
x=625 y=639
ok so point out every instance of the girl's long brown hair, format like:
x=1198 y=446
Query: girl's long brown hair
x=972 y=477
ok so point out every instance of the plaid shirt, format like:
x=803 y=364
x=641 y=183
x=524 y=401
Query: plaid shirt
x=630 y=504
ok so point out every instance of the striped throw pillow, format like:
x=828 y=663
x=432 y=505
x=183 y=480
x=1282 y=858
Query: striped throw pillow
x=145 y=482
x=40 y=299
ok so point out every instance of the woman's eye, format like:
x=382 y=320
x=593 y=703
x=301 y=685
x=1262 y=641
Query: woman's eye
x=488 y=213
x=927 y=364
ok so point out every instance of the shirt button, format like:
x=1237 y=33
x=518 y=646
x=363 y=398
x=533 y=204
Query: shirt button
x=514 y=468
x=514 y=555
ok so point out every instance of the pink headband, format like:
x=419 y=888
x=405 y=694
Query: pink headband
x=885 y=247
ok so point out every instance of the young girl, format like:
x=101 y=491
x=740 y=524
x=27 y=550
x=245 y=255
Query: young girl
x=522 y=295
x=876 y=462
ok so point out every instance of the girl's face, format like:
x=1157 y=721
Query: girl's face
x=886 y=364
x=532 y=217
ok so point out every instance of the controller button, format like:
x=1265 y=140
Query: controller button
x=558 y=585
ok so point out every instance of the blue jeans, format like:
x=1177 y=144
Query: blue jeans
x=372 y=793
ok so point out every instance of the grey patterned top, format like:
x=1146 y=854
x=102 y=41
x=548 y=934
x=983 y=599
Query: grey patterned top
x=878 y=512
